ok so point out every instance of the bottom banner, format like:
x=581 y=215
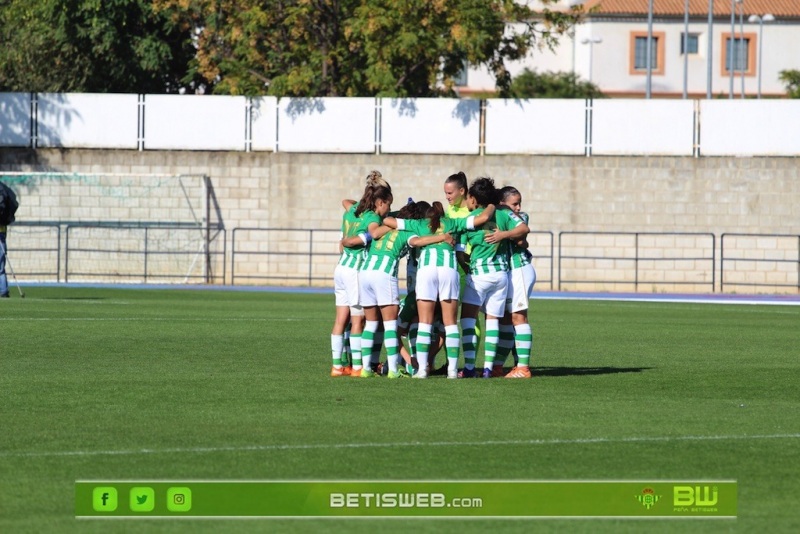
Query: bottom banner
x=406 y=499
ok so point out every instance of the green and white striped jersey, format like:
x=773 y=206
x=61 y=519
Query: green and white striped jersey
x=438 y=254
x=486 y=257
x=520 y=256
x=384 y=254
x=354 y=257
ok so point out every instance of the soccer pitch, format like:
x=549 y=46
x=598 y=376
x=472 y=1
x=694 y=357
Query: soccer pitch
x=125 y=384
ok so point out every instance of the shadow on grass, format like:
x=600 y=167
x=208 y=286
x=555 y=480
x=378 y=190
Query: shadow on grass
x=584 y=371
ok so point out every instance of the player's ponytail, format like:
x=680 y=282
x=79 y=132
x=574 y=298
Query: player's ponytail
x=375 y=179
x=434 y=215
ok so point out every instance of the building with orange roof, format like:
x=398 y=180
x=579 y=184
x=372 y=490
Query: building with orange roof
x=610 y=48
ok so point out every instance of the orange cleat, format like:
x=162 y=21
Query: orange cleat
x=519 y=372
x=341 y=371
x=355 y=373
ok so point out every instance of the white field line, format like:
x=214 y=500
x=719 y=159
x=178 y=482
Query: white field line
x=171 y=319
x=684 y=300
x=406 y=444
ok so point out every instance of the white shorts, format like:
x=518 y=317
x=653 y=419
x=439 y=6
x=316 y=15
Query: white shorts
x=488 y=291
x=345 y=288
x=437 y=283
x=520 y=285
x=377 y=288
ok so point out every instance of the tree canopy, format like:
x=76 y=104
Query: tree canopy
x=358 y=47
x=532 y=84
x=279 y=47
x=90 y=46
x=791 y=79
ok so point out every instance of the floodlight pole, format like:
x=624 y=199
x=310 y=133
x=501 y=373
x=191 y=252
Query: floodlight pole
x=709 y=70
x=741 y=40
x=649 y=85
x=732 y=49
x=685 y=49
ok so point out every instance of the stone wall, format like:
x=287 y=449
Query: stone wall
x=618 y=195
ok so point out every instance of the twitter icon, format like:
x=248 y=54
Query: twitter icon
x=142 y=499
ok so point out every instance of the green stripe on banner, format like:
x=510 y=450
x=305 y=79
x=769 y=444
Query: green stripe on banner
x=500 y=499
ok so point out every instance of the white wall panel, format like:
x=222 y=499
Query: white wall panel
x=263 y=117
x=750 y=127
x=430 y=126
x=15 y=119
x=344 y=125
x=194 y=122
x=537 y=126
x=81 y=120
x=642 y=127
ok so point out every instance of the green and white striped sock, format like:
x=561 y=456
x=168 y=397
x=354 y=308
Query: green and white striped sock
x=423 y=345
x=337 y=346
x=492 y=336
x=524 y=344
x=452 y=344
x=390 y=341
x=469 y=340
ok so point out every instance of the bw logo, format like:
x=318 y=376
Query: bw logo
x=648 y=498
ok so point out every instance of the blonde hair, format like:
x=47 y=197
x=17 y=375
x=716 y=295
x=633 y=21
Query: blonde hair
x=375 y=179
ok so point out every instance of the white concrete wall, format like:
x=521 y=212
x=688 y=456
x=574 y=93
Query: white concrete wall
x=326 y=125
x=88 y=120
x=430 y=126
x=740 y=128
x=538 y=126
x=15 y=119
x=194 y=122
x=639 y=127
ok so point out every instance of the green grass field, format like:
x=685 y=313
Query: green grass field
x=187 y=385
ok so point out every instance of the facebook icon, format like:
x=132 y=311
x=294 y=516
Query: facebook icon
x=104 y=499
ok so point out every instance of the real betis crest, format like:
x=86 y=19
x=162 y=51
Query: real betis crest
x=648 y=497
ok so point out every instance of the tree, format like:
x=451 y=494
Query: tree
x=358 y=47
x=90 y=46
x=791 y=78
x=531 y=84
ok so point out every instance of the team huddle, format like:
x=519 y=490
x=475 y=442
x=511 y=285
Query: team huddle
x=473 y=255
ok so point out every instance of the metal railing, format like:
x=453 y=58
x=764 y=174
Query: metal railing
x=307 y=256
x=637 y=259
x=135 y=250
x=550 y=257
x=733 y=261
x=36 y=256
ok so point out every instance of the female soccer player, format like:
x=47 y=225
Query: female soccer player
x=345 y=279
x=487 y=282
x=521 y=279
x=437 y=279
x=378 y=285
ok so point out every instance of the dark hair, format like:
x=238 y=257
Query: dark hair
x=371 y=194
x=459 y=178
x=508 y=191
x=484 y=191
x=435 y=214
x=420 y=209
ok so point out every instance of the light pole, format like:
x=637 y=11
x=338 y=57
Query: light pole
x=649 y=85
x=732 y=49
x=685 y=48
x=761 y=20
x=709 y=70
x=591 y=41
x=741 y=40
